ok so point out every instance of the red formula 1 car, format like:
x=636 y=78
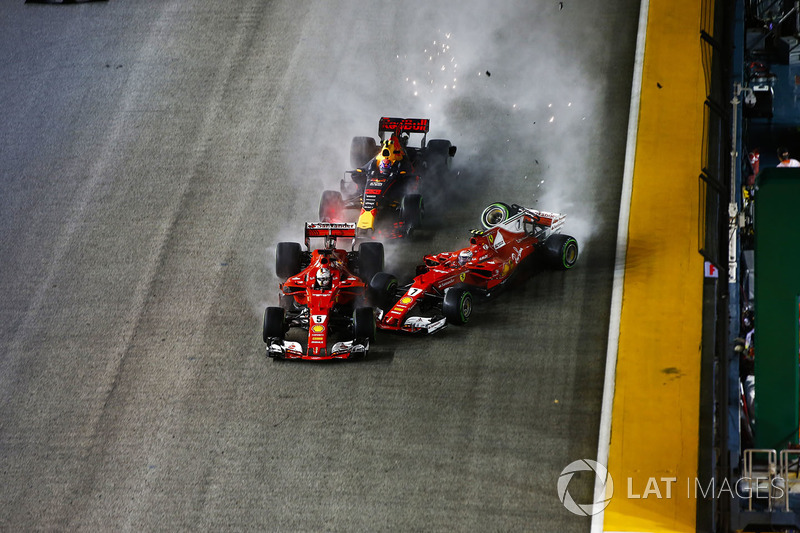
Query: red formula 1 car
x=445 y=285
x=385 y=185
x=324 y=293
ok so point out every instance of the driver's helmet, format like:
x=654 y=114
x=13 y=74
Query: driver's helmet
x=392 y=149
x=384 y=166
x=323 y=278
x=464 y=257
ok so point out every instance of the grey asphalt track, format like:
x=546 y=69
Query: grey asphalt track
x=152 y=154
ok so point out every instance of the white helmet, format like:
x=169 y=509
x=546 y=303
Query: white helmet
x=464 y=256
x=323 y=278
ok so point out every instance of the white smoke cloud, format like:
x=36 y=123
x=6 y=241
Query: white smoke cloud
x=500 y=80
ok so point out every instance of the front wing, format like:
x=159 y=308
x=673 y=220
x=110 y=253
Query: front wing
x=283 y=349
x=413 y=324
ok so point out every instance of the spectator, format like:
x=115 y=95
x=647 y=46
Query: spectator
x=786 y=160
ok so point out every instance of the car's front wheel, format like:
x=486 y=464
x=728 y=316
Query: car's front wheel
x=274 y=324
x=411 y=211
x=364 y=323
x=457 y=305
x=331 y=206
x=381 y=290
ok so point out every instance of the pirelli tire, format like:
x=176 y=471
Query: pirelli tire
x=362 y=149
x=288 y=259
x=364 y=323
x=495 y=214
x=412 y=209
x=370 y=260
x=439 y=156
x=457 y=306
x=331 y=206
x=382 y=289
x=561 y=251
x=274 y=326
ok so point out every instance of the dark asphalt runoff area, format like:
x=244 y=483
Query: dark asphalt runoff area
x=152 y=153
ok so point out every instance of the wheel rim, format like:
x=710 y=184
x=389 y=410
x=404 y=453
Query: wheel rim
x=466 y=307
x=494 y=215
x=570 y=254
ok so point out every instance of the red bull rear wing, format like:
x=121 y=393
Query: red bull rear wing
x=403 y=125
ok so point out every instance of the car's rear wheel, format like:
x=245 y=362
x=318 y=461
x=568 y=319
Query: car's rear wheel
x=370 y=260
x=457 y=305
x=274 y=324
x=362 y=149
x=439 y=156
x=495 y=214
x=287 y=259
x=562 y=251
x=364 y=323
x=331 y=206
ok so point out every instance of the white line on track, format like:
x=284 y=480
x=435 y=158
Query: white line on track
x=604 y=438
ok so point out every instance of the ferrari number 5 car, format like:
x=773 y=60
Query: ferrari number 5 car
x=385 y=185
x=324 y=292
x=446 y=284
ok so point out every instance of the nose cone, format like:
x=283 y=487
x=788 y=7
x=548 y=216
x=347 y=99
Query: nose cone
x=366 y=220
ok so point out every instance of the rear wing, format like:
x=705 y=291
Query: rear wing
x=403 y=125
x=398 y=126
x=330 y=231
x=545 y=218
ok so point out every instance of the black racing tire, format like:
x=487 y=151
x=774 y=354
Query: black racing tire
x=412 y=210
x=330 y=206
x=362 y=149
x=495 y=214
x=364 y=323
x=370 y=260
x=561 y=251
x=457 y=305
x=287 y=259
x=274 y=323
x=381 y=290
x=438 y=155
x=287 y=302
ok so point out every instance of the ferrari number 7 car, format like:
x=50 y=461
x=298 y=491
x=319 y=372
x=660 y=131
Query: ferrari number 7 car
x=446 y=284
x=324 y=292
x=385 y=184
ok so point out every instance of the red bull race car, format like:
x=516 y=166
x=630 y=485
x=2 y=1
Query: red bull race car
x=385 y=186
x=324 y=292
x=447 y=283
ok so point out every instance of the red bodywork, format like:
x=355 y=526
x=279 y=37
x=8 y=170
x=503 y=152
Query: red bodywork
x=496 y=253
x=319 y=305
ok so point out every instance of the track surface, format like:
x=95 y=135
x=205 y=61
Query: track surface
x=153 y=153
